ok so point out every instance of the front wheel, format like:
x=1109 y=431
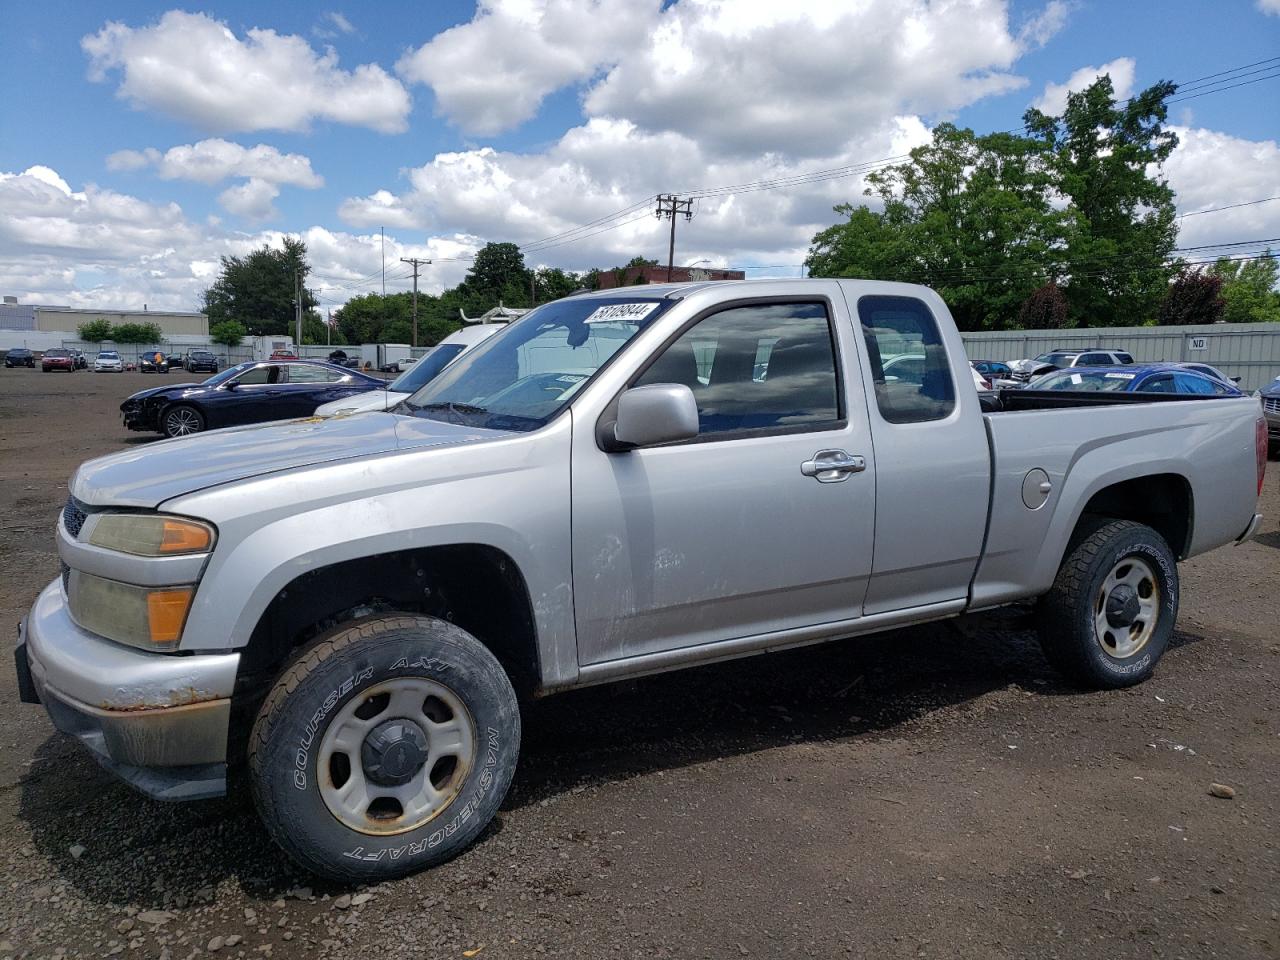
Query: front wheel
x=385 y=748
x=182 y=421
x=1109 y=616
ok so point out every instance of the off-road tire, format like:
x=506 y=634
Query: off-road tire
x=1066 y=614
x=311 y=693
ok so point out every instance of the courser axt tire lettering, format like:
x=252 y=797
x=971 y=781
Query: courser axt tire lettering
x=384 y=748
x=1110 y=614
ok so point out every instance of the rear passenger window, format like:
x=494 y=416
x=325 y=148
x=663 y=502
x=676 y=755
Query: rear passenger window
x=909 y=364
x=1096 y=360
x=1124 y=358
x=756 y=367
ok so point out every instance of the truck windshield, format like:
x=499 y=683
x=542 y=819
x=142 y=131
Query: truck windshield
x=425 y=370
x=520 y=378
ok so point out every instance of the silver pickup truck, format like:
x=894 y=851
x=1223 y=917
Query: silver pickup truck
x=617 y=484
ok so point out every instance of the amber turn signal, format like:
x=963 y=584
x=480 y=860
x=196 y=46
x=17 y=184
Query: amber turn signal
x=166 y=613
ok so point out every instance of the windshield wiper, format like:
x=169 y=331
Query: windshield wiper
x=451 y=406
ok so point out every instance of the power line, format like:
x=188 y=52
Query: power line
x=1230 y=206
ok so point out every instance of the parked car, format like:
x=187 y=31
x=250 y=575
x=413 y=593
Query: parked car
x=200 y=360
x=252 y=392
x=283 y=355
x=1210 y=371
x=1270 y=396
x=1137 y=378
x=108 y=361
x=572 y=504
x=58 y=359
x=20 y=357
x=1024 y=370
x=420 y=374
x=155 y=362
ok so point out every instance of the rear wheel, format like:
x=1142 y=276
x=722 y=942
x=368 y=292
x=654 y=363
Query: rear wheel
x=1108 y=618
x=385 y=748
x=182 y=421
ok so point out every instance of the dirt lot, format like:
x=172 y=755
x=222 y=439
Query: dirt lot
x=936 y=792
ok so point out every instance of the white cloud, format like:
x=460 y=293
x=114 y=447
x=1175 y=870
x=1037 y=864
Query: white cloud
x=212 y=161
x=252 y=199
x=606 y=165
x=1212 y=169
x=1054 y=99
x=1270 y=6
x=95 y=247
x=339 y=21
x=492 y=73
x=195 y=69
x=1045 y=25
x=800 y=76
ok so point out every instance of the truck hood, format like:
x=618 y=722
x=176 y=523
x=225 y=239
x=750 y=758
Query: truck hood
x=159 y=471
x=361 y=402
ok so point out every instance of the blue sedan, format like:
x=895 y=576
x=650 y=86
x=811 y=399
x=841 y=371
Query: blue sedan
x=252 y=392
x=1137 y=378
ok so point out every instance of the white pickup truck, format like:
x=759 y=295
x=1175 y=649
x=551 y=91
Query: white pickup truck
x=616 y=484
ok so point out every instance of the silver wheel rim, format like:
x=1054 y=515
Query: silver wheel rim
x=352 y=793
x=179 y=423
x=1117 y=634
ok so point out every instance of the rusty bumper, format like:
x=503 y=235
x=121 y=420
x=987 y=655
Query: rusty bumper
x=158 y=721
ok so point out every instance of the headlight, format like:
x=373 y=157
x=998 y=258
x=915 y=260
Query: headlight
x=147 y=617
x=151 y=535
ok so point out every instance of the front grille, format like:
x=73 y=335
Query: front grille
x=1271 y=404
x=73 y=516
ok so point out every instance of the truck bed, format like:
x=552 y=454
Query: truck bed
x=1013 y=400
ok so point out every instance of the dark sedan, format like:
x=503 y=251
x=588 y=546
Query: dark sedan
x=1270 y=395
x=20 y=357
x=58 y=359
x=252 y=392
x=156 y=362
x=197 y=361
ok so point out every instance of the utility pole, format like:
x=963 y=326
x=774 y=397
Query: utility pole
x=297 y=305
x=668 y=206
x=383 y=231
x=328 y=327
x=416 y=264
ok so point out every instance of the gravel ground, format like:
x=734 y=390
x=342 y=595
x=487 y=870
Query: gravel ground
x=934 y=792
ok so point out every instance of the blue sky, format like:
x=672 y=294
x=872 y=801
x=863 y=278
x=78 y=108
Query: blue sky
x=450 y=126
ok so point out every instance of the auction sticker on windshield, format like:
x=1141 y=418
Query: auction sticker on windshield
x=622 y=311
x=1119 y=376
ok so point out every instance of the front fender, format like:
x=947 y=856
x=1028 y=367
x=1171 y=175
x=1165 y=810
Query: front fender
x=511 y=494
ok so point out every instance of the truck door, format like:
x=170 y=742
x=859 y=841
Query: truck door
x=762 y=523
x=933 y=474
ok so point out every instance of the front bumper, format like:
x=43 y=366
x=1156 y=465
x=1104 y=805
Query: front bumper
x=1273 y=424
x=157 y=721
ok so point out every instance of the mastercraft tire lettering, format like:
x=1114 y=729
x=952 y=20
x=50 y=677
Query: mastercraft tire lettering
x=384 y=748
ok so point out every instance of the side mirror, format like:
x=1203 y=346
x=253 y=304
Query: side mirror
x=230 y=385
x=653 y=414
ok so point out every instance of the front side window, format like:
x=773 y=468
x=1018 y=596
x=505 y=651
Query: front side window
x=524 y=375
x=268 y=373
x=756 y=368
x=909 y=364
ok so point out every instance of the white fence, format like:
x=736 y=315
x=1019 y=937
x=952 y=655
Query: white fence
x=1250 y=351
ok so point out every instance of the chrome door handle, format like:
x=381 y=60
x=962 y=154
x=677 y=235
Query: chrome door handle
x=832 y=466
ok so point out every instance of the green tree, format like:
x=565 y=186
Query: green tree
x=1192 y=297
x=137 y=333
x=229 y=333
x=95 y=331
x=1249 y=289
x=552 y=283
x=970 y=215
x=497 y=275
x=1105 y=158
x=258 y=289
